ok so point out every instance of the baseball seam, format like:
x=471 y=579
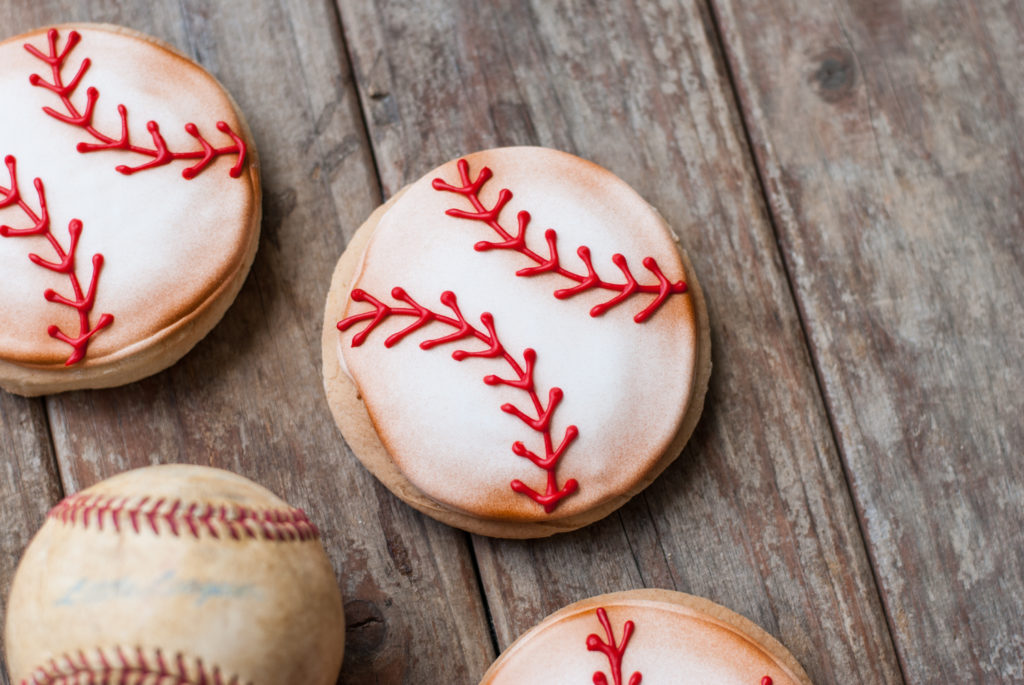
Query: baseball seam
x=103 y=666
x=82 y=301
x=523 y=380
x=171 y=515
x=160 y=153
x=613 y=651
x=470 y=189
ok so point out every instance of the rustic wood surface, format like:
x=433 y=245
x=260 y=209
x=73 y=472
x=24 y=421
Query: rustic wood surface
x=29 y=482
x=846 y=179
x=888 y=138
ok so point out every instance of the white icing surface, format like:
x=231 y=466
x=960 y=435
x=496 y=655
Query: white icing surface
x=670 y=645
x=167 y=242
x=626 y=385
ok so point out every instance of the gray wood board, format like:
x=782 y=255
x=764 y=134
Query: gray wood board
x=29 y=486
x=888 y=139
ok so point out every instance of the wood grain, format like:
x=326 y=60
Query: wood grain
x=29 y=486
x=888 y=138
x=249 y=398
x=756 y=515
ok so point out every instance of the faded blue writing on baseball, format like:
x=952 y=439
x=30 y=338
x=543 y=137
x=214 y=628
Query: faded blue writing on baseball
x=165 y=586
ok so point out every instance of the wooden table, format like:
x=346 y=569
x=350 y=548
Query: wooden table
x=848 y=180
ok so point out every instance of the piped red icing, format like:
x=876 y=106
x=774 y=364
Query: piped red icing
x=470 y=189
x=612 y=651
x=159 y=153
x=81 y=301
x=522 y=380
x=767 y=680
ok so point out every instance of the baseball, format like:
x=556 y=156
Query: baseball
x=175 y=573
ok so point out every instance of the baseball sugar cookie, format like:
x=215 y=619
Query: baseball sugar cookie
x=180 y=574
x=654 y=637
x=515 y=344
x=129 y=207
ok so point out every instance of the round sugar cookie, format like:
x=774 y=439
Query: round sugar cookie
x=654 y=637
x=515 y=344
x=129 y=207
x=175 y=573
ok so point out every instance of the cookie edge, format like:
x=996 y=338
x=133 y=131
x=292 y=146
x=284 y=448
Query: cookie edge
x=353 y=419
x=166 y=347
x=740 y=624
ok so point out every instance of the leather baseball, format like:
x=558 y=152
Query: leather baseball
x=180 y=574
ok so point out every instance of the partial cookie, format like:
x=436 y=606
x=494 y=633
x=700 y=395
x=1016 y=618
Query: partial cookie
x=181 y=574
x=657 y=637
x=129 y=207
x=515 y=344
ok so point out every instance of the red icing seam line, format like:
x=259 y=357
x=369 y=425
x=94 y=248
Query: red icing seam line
x=613 y=652
x=159 y=153
x=124 y=665
x=523 y=379
x=470 y=189
x=81 y=301
x=180 y=519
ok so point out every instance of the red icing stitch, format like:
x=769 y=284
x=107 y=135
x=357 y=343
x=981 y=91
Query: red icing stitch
x=124 y=665
x=470 y=189
x=278 y=525
x=523 y=379
x=82 y=301
x=160 y=153
x=612 y=651
x=767 y=680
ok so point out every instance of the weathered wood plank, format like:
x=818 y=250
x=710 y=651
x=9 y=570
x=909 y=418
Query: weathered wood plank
x=249 y=397
x=888 y=137
x=756 y=514
x=29 y=486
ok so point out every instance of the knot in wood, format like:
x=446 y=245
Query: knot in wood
x=835 y=75
x=365 y=627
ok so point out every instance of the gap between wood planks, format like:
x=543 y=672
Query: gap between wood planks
x=717 y=43
x=362 y=109
x=50 y=463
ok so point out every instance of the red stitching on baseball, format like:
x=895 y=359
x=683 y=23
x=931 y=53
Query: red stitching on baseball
x=95 y=667
x=523 y=380
x=175 y=517
x=81 y=301
x=612 y=651
x=470 y=189
x=159 y=153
